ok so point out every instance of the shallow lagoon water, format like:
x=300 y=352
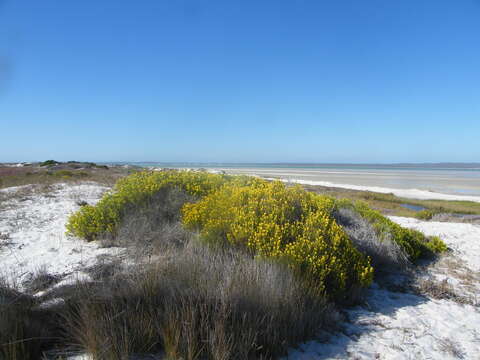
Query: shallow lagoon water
x=412 y=207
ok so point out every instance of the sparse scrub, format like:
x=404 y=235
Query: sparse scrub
x=413 y=243
x=439 y=290
x=68 y=174
x=18 y=176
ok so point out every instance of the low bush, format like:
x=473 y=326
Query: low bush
x=134 y=190
x=425 y=214
x=290 y=225
x=413 y=243
x=49 y=163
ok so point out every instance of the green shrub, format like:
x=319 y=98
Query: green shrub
x=93 y=221
x=49 y=163
x=425 y=214
x=64 y=173
x=287 y=224
x=414 y=243
x=436 y=245
x=68 y=174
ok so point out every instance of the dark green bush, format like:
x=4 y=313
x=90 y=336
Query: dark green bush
x=49 y=163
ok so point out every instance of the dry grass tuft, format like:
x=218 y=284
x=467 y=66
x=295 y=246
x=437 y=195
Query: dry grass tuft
x=386 y=255
x=452 y=348
x=148 y=228
x=26 y=330
x=40 y=280
x=197 y=303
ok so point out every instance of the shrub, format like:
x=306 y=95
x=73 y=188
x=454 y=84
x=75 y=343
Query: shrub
x=287 y=224
x=425 y=214
x=49 y=163
x=385 y=254
x=64 y=173
x=436 y=245
x=40 y=280
x=413 y=243
x=134 y=190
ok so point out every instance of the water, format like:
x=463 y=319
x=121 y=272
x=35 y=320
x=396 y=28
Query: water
x=455 y=179
x=413 y=207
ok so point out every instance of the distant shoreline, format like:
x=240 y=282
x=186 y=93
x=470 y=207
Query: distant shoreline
x=393 y=166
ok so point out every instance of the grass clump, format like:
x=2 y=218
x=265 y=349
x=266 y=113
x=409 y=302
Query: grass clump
x=289 y=225
x=26 y=330
x=199 y=303
x=195 y=302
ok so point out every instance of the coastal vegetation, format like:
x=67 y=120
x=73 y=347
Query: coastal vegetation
x=52 y=172
x=222 y=267
x=389 y=204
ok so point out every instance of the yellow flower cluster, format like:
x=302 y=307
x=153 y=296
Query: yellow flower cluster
x=283 y=223
x=92 y=221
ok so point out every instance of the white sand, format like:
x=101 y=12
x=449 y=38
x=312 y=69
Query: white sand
x=36 y=227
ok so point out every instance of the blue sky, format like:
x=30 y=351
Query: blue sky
x=240 y=81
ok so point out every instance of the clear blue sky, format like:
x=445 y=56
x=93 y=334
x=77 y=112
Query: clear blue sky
x=240 y=81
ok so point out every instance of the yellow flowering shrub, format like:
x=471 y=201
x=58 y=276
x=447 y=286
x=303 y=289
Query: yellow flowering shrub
x=283 y=223
x=92 y=221
x=269 y=219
